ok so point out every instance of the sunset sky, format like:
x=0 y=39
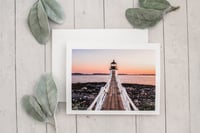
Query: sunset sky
x=128 y=61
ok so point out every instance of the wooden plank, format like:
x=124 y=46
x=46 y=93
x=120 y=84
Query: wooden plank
x=64 y=122
x=176 y=64
x=7 y=67
x=115 y=13
x=194 y=63
x=106 y=124
x=155 y=124
x=29 y=66
x=91 y=124
x=88 y=13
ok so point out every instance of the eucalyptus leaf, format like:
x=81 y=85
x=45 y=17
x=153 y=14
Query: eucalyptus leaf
x=38 y=23
x=54 y=11
x=33 y=108
x=46 y=94
x=143 y=18
x=155 y=4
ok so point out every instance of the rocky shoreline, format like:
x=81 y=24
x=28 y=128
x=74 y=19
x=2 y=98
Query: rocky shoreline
x=83 y=95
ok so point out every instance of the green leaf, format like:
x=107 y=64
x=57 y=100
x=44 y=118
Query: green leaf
x=46 y=94
x=54 y=11
x=155 y=4
x=38 y=23
x=143 y=18
x=33 y=108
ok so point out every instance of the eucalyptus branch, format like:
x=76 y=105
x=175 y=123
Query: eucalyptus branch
x=150 y=13
x=42 y=105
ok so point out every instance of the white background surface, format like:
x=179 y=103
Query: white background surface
x=22 y=61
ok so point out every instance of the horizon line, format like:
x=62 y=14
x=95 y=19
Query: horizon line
x=78 y=73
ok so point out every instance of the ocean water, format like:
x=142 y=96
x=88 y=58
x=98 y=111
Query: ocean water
x=134 y=79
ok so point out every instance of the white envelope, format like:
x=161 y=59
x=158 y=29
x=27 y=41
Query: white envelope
x=61 y=37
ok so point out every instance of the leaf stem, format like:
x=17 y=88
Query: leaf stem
x=171 y=9
x=51 y=121
x=54 y=116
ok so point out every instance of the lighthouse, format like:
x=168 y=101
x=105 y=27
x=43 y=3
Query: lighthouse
x=113 y=68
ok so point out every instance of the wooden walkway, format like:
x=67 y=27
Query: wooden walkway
x=113 y=99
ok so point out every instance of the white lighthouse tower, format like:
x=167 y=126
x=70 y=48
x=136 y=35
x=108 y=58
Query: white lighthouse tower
x=113 y=68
